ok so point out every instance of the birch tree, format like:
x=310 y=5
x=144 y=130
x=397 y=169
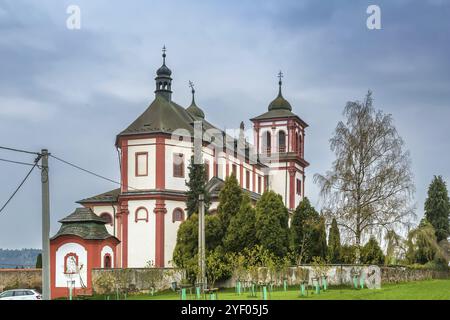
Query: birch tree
x=370 y=184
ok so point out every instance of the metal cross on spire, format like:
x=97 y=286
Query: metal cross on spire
x=280 y=76
x=164 y=54
x=191 y=85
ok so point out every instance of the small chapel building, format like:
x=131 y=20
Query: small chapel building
x=142 y=217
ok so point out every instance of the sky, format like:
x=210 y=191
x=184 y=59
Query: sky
x=73 y=90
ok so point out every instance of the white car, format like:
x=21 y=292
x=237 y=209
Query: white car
x=20 y=294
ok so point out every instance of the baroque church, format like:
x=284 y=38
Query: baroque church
x=137 y=223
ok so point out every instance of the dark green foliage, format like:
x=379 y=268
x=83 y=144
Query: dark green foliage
x=371 y=253
x=308 y=233
x=213 y=232
x=230 y=198
x=39 y=261
x=241 y=232
x=334 y=243
x=186 y=249
x=348 y=254
x=196 y=186
x=437 y=208
x=272 y=224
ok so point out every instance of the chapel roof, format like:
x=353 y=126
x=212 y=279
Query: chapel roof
x=84 y=223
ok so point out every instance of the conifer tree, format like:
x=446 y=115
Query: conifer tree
x=241 y=232
x=334 y=243
x=196 y=186
x=39 y=261
x=371 y=252
x=272 y=229
x=437 y=208
x=230 y=198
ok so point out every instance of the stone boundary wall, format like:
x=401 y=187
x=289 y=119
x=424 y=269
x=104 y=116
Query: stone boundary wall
x=20 y=278
x=137 y=279
x=342 y=275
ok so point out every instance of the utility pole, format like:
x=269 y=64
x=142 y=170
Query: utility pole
x=201 y=241
x=45 y=226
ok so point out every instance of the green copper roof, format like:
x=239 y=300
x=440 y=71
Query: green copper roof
x=280 y=103
x=85 y=224
x=162 y=116
x=195 y=111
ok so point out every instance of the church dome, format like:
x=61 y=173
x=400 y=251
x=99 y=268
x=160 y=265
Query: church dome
x=280 y=103
x=164 y=71
x=194 y=110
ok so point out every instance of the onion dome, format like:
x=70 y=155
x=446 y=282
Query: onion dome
x=280 y=103
x=193 y=109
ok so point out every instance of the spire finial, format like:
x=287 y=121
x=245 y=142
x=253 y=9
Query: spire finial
x=164 y=54
x=280 y=76
x=191 y=85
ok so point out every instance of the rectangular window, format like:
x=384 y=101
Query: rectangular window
x=299 y=187
x=141 y=164
x=259 y=185
x=247 y=179
x=206 y=164
x=178 y=165
x=234 y=170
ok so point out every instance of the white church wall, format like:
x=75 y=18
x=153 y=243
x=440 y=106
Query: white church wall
x=171 y=229
x=141 y=234
x=98 y=210
x=136 y=146
x=278 y=183
x=61 y=276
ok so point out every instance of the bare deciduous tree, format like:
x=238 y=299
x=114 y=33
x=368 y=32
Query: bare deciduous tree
x=370 y=184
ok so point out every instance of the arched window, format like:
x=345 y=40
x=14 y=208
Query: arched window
x=70 y=263
x=299 y=146
x=107 y=217
x=141 y=214
x=177 y=215
x=281 y=141
x=266 y=142
x=107 y=261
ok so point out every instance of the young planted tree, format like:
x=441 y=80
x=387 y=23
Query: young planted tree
x=371 y=253
x=334 y=243
x=272 y=229
x=370 y=183
x=230 y=198
x=196 y=186
x=437 y=208
x=186 y=248
x=241 y=232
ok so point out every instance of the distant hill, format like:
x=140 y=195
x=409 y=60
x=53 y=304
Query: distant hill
x=23 y=258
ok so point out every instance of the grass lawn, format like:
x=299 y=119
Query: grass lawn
x=420 y=290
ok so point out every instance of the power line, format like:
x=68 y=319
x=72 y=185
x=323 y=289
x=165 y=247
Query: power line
x=21 y=184
x=19 y=150
x=88 y=171
x=17 y=162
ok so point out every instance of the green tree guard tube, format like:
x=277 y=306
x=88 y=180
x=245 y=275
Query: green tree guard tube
x=355 y=282
x=285 y=285
x=197 y=291
x=238 y=287
x=361 y=282
x=183 y=294
x=317 y=287
x=264 y=292
x=253 y=289
x=324 y=283
x=302 y=289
